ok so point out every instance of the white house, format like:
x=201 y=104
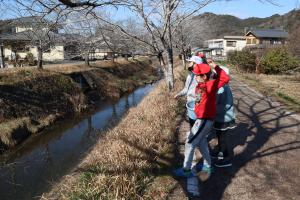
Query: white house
x=18 y=37
x=219 y=48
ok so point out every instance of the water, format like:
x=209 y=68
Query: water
x=39 y=162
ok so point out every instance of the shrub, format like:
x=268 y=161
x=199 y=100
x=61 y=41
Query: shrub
x=243 y=60
x=30 y=59
x=278 y=60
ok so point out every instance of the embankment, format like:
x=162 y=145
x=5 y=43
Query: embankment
x=31 y=100
x=132 y=160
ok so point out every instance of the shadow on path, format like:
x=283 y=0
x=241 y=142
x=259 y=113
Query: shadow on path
x=266 y=145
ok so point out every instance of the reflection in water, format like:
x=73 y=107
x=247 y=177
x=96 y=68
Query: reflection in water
x=31 y=169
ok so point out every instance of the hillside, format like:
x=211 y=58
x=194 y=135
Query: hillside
x=209 y=26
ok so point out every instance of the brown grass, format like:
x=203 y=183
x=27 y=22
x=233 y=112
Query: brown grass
x=132 y=161
x=30 y=96
x=69 y=68
x=284 y=88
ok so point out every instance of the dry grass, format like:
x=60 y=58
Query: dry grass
x=132 y=161
x=69 y=68
x=36 y=95
x=284 y=88
x=12 y=131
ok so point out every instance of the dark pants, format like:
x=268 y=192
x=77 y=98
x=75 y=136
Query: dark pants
x=192 y=122
x=222 y=143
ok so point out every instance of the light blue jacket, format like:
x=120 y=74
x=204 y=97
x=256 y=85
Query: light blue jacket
x=189 y=88
x=225 y=107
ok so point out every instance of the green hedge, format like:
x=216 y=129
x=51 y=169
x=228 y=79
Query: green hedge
x=243 y=60
x=278 y=60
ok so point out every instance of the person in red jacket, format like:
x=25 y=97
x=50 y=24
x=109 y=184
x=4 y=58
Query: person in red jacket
x=205 y=111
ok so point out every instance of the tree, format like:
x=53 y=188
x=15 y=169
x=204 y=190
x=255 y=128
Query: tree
x=159 y=17
x=2 y=63
x=294 y=42
x=80 y=31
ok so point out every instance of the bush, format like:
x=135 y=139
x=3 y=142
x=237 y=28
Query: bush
x=278 y=60
x=243 y=60
x=30 y=59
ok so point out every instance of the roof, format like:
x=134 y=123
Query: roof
x=15 y=36
x=215 y=40
x=270 y=33
x=31 y=21
x=30 y=36
x=24 y=20
x=234 y=37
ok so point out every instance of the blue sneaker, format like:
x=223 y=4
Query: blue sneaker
x=203 y=168
x=180 y=172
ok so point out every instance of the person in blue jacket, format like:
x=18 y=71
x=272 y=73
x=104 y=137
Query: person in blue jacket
x=224 y=121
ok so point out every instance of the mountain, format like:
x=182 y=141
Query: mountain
x=211 y=26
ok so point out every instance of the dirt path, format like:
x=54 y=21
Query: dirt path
x=266 y=143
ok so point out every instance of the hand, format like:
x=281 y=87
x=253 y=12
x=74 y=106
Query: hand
x=211 y=63
x=175 y=97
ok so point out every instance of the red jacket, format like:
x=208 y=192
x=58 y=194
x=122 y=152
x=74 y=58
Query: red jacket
x=206 y=108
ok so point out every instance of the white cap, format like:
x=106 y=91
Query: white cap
x=195 y=59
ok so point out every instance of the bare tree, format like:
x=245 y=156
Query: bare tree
x=294 y=42
x=43 y=35
x=118 y=42
x=159 y=18
x=80 y=30
x=2 y=63
x=181 y=38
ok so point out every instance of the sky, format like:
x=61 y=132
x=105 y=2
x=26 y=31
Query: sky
x=252 y=8
x=239 y=8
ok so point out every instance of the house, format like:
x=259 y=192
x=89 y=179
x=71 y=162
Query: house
x=266 y=37
x=19 y=37
x=219 y=48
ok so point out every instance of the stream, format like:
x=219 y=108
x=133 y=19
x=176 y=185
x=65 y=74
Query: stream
x=42 y=160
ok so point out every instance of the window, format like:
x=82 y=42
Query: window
x=254 y=41
x=276 y=42
x=248 y=41
x=231 y=43
x=218 y=52
x=22 y=49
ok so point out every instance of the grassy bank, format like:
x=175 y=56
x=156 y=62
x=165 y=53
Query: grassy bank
x=31 y=99
x=133 y=160
x=283 y=88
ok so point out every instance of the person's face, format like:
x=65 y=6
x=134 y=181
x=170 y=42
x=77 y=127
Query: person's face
x=211 y=63
x=201 y=78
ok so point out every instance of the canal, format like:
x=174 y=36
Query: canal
x=31 y=168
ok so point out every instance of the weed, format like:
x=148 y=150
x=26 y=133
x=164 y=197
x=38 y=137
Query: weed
x=288 y=98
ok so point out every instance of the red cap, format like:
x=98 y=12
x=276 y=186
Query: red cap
x=201 y=69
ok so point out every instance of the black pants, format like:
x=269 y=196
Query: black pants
x=192 y=122
x=222 y=143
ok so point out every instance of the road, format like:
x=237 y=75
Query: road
x=266 y=144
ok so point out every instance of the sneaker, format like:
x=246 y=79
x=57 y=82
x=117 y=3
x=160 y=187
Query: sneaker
x=180 y=172
x=223 y=163
x=203 y=168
